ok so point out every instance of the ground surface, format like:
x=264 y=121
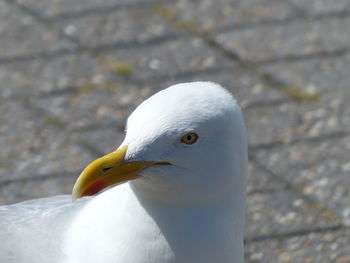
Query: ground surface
x=72 y=70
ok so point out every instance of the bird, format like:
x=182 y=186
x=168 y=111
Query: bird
x=173 y=191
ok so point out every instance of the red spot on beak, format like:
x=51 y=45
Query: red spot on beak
x=94 y=188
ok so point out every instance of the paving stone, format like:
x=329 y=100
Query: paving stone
x=21 y=35
x=321 y=6
x=16 y=119
x=31 y=147
x=108 y=105
x=267 y=124
x=247 y=88
x=53 y=75
x=51 y=8
x=95 y=108
x=329 y=115
x=103 y=140
x=289 y=121
x=36 y=156
x=82 y=110
x=260 y=182
x=318 y=75
x=212 y=15
x=273 y=209
x=319 y=170
x=31 y=78
x=268 y=41
x=22 y=190
x=172 y=57
x=125 y=27
x=314 y=247
x=281 y=211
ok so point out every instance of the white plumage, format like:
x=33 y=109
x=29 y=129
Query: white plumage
x=190 y=210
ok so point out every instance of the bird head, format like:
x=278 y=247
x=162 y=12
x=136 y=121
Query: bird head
x=185 y=143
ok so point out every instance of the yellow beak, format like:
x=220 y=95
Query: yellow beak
x=106 y=171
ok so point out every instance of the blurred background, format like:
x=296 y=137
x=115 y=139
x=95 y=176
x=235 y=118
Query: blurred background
x=71 y=71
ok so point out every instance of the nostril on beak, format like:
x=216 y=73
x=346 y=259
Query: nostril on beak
x=106 y=169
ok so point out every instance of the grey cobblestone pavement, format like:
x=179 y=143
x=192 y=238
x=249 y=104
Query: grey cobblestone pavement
x=72 y=70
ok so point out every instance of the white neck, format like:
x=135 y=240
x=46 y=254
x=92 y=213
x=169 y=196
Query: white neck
x=142 y=231
x=201 y=233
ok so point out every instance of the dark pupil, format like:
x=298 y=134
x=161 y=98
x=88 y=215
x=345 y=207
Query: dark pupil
x=189 y=137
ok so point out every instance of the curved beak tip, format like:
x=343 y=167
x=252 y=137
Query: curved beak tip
x=94 y=177
x=107 y=171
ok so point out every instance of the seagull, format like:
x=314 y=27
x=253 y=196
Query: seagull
x=173 y=191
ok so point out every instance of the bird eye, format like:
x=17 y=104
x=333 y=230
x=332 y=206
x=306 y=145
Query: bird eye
x=189 y=138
